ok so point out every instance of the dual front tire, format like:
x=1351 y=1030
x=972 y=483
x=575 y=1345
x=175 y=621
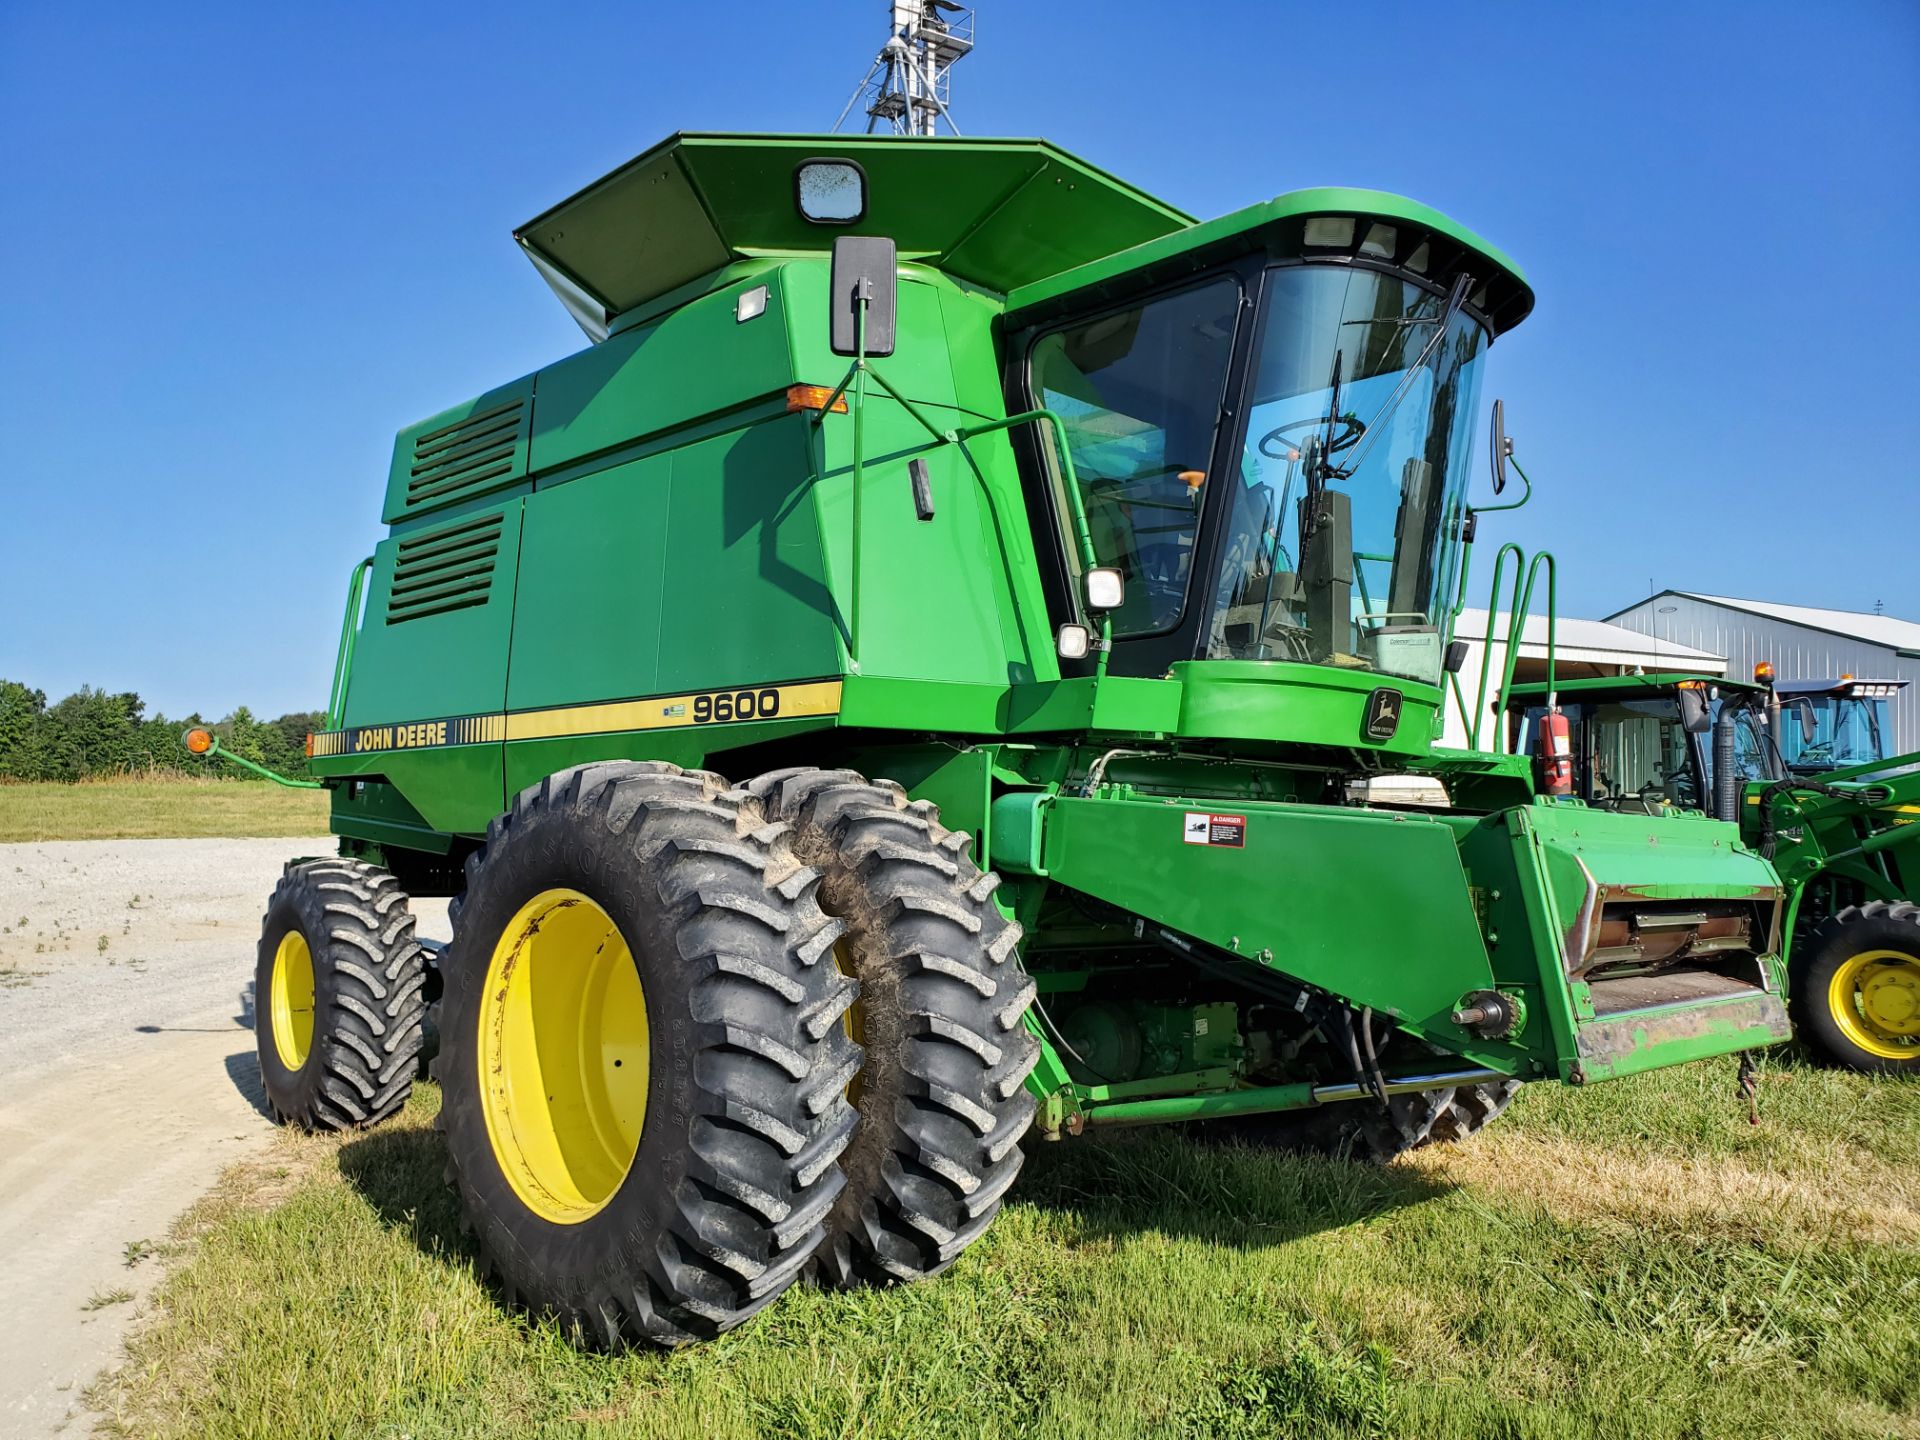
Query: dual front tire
x=665 y=998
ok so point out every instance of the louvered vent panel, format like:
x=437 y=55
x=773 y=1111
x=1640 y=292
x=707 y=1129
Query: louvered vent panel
x=446 y=569
x=467 y=456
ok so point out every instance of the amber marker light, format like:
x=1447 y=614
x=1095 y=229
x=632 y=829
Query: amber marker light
x=198 y=742
x=1763 y=673
x=813 y=397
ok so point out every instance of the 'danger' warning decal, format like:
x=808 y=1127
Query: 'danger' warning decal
x=1203 y=828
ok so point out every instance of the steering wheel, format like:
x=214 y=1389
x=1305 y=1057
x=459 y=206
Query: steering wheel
x=1353 y=427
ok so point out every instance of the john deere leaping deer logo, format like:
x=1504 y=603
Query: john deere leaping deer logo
x=1383 y=713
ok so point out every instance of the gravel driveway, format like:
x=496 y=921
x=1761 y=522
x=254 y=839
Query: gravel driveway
x=127 y=1081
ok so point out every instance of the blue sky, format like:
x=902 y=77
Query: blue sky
x=244 y=244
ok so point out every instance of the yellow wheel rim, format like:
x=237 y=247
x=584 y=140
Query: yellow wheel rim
x=291 y=1002
x=563 y=1056
x=1875 y=1000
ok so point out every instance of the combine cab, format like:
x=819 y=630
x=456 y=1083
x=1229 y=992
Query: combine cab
x=905 y=687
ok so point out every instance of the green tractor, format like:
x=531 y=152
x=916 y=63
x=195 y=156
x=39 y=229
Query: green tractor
x=902 y=688
x=1801 y=766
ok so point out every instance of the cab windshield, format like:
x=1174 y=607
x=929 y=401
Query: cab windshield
x=1827 y=732
x=1352 y=475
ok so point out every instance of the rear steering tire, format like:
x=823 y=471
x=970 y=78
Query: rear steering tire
x=338 y=996
x=643 y=1061
x=943 y=999
x=1855 y=988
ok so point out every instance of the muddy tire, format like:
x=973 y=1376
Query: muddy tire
x=338 y=996
x=1855 y=988
x=642 y=1060
x=943 y=999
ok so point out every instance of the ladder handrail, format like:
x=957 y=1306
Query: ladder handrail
x=1519 y=606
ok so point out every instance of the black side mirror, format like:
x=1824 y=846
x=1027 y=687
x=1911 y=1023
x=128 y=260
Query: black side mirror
x=1809 y=722
x=1456 y=657
x=865 y=277
x=1500 y=447
x=1693 y=712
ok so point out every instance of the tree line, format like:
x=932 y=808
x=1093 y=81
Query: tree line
x=95 y=733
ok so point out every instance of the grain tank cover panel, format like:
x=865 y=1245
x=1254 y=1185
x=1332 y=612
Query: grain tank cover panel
x=994 y=213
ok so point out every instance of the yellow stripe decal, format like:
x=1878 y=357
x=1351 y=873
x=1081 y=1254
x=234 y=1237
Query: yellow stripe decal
x=746 y=703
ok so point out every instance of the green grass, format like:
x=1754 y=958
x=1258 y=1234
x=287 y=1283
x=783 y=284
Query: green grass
x=183 y=808
x=1634 y=1261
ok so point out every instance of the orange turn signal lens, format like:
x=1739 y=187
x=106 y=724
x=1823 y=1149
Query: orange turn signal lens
x=199 y=742
x=309 y=744
x=813 y=397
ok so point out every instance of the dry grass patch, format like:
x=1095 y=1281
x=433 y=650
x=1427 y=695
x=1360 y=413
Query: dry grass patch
x=158 y=809
x=1847 y=1194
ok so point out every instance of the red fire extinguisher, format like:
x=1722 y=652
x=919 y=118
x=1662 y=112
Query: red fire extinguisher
x=1553 y=753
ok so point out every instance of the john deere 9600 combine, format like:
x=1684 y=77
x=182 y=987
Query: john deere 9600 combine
x=900 y=687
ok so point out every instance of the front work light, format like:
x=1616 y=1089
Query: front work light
x=1073 y=642
x=1106 y=589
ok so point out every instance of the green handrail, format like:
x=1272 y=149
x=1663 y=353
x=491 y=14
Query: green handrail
x=1519 y=607
x=856 y=378
x=343 y=658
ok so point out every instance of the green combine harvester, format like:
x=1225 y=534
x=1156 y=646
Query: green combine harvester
x=900 y=688
x=1801 y=766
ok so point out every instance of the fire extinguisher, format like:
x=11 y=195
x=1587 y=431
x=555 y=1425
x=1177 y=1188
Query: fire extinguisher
x=1553 y=753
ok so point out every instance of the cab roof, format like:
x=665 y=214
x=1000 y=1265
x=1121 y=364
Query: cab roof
x=1386 y=228
x=998 y=214
x=1627 y=685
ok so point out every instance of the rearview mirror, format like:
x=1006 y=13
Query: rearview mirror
x=865 y=278
x=1693 y=712
x=1809 y=722
x=1500 y=447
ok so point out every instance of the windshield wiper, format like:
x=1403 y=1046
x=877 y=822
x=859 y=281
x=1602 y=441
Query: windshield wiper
x=1323 y=463
x=1455 y=298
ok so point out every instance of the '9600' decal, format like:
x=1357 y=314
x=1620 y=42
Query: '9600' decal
x=746 y=703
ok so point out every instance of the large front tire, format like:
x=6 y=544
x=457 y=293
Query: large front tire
x=1855 y=988
x=943 y=999
x=338 y=996
x=642 y=1056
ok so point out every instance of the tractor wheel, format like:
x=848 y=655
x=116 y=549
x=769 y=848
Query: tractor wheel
x=642 y=1058
x=1856 y=988
x=943 y=999
x=338 y=996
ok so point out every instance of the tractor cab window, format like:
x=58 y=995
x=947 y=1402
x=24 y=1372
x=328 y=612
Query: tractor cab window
x=1752 y=753
x=1632 y=755
x=1139 y=394
x=1827 y=732
x=1352 y=478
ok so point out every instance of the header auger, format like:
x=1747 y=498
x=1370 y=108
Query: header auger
x=899 y=689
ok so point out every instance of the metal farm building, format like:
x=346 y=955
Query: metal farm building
x=1802 y=642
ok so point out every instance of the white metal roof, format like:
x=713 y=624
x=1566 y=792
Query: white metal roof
x=1593 y=642
x=1886 y=630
